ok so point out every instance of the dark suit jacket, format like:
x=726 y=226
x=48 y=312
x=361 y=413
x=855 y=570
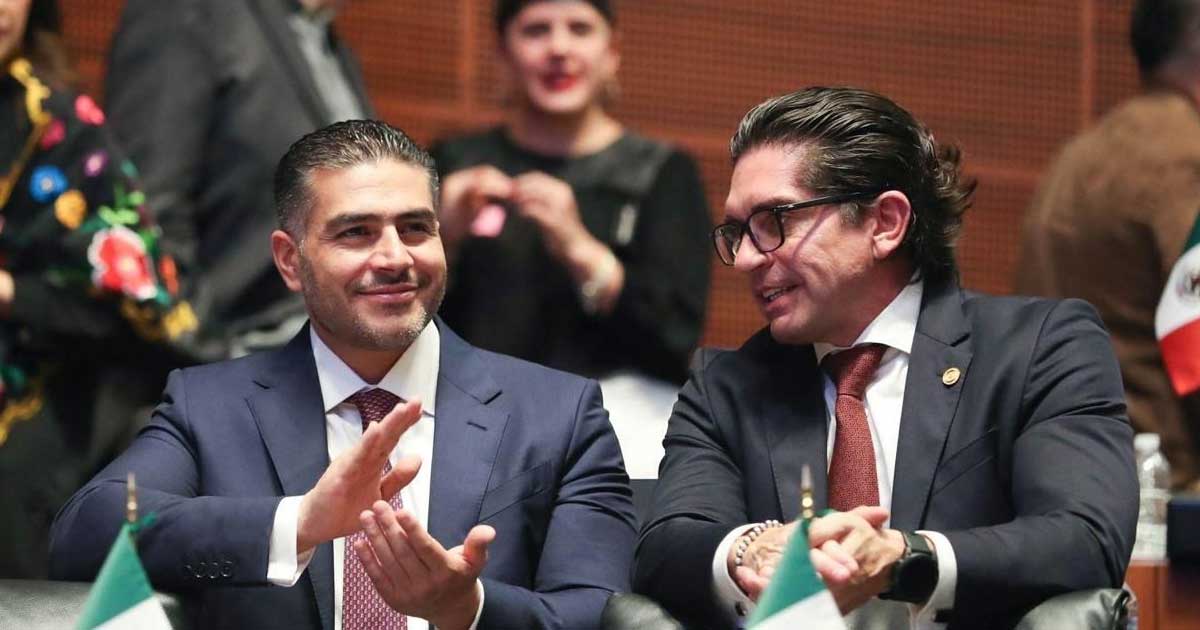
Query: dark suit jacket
x=1025 y=464
x=520 y=447
x=207 y=95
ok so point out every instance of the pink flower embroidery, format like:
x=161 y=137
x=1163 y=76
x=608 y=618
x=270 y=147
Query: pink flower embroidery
x=120 y=264
x=55 y=132
x=95 y=162
x=88 y=111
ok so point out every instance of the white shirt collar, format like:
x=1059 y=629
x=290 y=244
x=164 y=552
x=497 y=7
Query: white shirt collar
x=894 y=327
x=414 y=375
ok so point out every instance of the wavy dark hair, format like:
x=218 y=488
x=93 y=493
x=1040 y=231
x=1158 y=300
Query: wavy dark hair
x=1158 y=29
x=860 y=141
x=43 y=45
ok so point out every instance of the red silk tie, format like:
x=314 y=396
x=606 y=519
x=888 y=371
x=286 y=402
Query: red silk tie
x=362 y=607
x=852 y=477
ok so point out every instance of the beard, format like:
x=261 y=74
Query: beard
x=329 y=308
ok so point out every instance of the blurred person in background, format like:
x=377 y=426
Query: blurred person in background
x=575 y=242
x=86 y=299
x=207 y=95
x=1114 y=211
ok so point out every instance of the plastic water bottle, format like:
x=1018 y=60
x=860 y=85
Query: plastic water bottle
x=1154 y=479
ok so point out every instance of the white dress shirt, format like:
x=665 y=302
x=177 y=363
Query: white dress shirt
x=413 y=376
x=894 y=327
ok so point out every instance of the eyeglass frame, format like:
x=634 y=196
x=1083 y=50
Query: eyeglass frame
x=777 y=212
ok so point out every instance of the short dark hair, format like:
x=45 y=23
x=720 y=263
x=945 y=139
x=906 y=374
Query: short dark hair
x=506 y=10
x=339 y=146
x=1158 y=29
x=859 y=141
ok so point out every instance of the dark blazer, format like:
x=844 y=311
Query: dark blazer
x=520 y=447
x=1025 y=463
x=206 y=96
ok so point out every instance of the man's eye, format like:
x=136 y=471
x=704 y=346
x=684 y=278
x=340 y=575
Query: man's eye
x=422 y=228
x=354 y=232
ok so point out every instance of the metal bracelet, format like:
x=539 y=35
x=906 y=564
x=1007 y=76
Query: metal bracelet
x=743 y=541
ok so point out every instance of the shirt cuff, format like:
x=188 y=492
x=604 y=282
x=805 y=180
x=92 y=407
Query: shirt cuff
x=730 y=597
x=284 y=566
x=924 y=617
x=479 y=611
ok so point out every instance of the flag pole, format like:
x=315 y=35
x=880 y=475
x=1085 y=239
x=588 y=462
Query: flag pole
x=131 y=509
x=806 y=493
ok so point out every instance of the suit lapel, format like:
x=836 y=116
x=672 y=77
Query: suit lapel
x=290 y=416
x=941 y=342
x=797 y=425
x=468 y=425
x=272 y=17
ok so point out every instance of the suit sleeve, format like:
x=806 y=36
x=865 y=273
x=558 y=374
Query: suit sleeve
x=1074 y=489
x=698 y=500
x=160 y=92
x=195 y=541
x=660 y=312
x=588 y=544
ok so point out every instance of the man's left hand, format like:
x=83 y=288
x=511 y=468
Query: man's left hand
x=415 y=575
x=858 y=534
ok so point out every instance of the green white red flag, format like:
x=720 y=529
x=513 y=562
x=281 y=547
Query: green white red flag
x=1177 y=320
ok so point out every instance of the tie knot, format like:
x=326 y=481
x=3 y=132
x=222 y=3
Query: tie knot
x=852 y=369
x=373 y=404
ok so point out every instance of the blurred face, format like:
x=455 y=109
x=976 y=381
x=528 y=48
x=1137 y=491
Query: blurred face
x=371 y=264
x=809 y=288
x=561 y=55
x=14 y=15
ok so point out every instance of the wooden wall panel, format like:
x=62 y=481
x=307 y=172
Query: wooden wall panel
x=1009 y=81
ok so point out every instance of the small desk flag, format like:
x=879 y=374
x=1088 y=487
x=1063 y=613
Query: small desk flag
x=796 y=596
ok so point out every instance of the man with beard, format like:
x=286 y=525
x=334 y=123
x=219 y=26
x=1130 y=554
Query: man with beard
x=311 y=456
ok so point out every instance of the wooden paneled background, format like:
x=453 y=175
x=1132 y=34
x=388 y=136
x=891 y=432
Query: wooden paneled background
x=1007 y=80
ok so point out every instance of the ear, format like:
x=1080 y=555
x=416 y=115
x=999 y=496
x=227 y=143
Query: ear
x=286 y=253
x=892 y=213
x=614 y=54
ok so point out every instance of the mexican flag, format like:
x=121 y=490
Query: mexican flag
x=121 y=597
x=796 y=597
x=1177 y=321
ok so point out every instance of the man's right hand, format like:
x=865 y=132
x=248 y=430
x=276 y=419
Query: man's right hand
x=355 y=480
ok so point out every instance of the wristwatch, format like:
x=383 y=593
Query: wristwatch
x=915 y=574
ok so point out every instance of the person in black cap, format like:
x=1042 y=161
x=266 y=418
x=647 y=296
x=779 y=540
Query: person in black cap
x=576 y=243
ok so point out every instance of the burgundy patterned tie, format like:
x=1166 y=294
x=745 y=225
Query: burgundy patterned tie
x=362 y=607
x=852 y=476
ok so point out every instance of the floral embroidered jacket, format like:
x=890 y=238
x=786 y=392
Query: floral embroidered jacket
x=75 y=235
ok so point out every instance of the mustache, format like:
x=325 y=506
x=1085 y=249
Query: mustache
x=379 y=280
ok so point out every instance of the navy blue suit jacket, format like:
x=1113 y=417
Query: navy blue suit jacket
x=1025 y=462
x=520 y=447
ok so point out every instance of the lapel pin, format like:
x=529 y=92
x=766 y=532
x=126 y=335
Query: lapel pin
x=951 y=376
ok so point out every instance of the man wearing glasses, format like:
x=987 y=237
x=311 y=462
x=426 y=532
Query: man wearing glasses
x=976 y=448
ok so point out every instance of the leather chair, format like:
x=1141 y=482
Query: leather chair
x=46 y=605
x=1098 y=609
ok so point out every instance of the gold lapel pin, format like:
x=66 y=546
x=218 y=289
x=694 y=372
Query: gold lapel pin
x=951 y=376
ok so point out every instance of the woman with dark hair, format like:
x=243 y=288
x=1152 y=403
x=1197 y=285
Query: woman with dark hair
x=575 y=242
x=86 y=300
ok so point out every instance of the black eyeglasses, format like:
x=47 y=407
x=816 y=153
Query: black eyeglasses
x=766 y=225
